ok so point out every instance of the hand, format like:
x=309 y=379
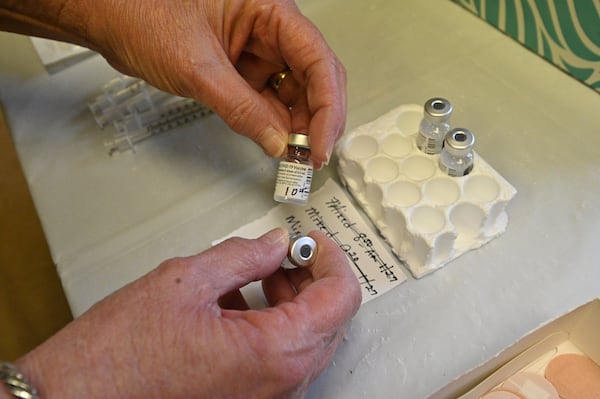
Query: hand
x=222 y=52
x=165 y=335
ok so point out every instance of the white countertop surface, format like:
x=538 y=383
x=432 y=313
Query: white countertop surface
x=109 y=219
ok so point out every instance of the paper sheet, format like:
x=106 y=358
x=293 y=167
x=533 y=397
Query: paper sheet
x=332 y=211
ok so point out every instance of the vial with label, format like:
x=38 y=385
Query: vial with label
x=295 y=172
x=434 y=125
x=456 y=158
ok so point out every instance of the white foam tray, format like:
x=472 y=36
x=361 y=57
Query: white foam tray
x=427 y=217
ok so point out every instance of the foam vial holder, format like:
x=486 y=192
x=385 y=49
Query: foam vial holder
x=427 y=217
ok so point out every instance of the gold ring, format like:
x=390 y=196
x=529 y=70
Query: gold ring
x=277 y=79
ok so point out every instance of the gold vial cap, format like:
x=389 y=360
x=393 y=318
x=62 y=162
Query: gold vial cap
x=299 y=140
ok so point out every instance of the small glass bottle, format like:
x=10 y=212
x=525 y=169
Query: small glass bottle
x=295 y=172
x=456 y=158
x=434 y=125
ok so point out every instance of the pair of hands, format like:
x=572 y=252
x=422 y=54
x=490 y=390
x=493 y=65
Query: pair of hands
x=184 y=331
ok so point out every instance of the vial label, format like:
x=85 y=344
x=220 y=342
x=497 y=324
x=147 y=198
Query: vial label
x=455 y=172
x=293 y=182
x=429 y=145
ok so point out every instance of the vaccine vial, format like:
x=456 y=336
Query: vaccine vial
x=295 y=172
x=456 y=158
x=434 y=125
x=302 y=251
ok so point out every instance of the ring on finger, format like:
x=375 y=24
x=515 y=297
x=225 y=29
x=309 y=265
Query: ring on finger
x=277 y=79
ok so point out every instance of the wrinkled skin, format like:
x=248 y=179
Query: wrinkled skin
x=184 y=331
x=220 y=52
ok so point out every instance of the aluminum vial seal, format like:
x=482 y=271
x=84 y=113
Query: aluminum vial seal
x=438 y=110
x=302 y=251
x=459 y=141
x=299 y=140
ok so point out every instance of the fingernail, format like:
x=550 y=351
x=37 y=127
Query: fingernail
x=321 y=163
x=273 y=143
x=327 y=157
x=278 y=235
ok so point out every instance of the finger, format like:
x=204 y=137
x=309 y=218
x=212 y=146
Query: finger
x=293 y=96
x=290 y=92
x=278 y=288
x=235 y=262
x=259 y=73
x=300 y=119
x=282 y=110
x=290 y=99
x=326 y=304
x=333 y=284
x=320 y=312
x=294 y=40
x=233 y=300
x=317 y=69
x=256 y=71
x=326 y=102
x=244 y=109
x=284 y=284
x=299 y=278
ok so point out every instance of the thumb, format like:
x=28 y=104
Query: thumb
x=235 y=262
x=243 y=108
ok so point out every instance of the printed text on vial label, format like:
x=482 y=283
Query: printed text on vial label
x=293 y=180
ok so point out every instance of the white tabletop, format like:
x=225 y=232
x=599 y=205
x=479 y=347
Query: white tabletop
x=109 y=219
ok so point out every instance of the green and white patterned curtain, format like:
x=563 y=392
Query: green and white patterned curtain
x=565 y=32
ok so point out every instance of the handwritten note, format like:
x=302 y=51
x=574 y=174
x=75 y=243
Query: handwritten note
x=332 y=211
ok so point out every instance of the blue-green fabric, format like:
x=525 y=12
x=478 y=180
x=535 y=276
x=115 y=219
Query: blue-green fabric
x=565 y=32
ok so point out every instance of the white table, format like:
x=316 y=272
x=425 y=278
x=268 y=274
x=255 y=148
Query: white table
x=109 y=219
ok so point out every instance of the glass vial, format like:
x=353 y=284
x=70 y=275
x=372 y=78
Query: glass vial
x=456 y=158
x=434 y=125
x=295 y=172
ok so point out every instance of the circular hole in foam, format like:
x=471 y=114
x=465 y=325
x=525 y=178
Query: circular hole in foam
x=481 y=188
x=361 y=147
x=418 y=168
x=396 y=146
x=382 y=169
x=409 y=119
x=427 y=220
x=403 y=193
x=442 y=191
x=467 y=218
